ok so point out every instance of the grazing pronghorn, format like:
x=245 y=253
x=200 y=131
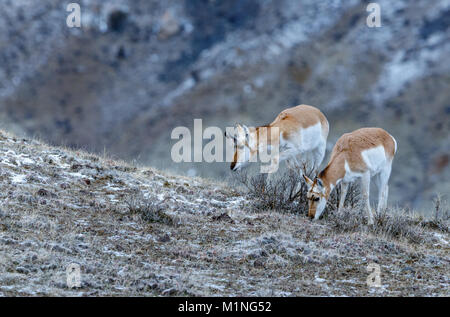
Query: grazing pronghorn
x=363 y=153
x=300 y=135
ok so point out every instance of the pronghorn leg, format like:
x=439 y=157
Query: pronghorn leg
x=383 y=188
x=344 y=188
x=381 y=192
x=385 y=196
x=318 y=157
x=378 y=183
x=365 y=183
x=294 y=167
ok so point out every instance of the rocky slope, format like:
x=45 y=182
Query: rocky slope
x=137 y=231
x=137 y=69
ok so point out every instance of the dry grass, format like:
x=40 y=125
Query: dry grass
x=139 y=232
x=149 y=210
x=390 y=224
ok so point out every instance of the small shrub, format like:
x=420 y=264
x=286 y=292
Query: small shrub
x=149 y=211
x=397 y=225
x=441 y=216
x=287 y=192
x=282 y=193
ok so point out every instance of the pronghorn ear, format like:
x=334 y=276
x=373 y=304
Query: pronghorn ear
x=247 y=131
x=308 y=181
x=237 y=128
x=229 y=135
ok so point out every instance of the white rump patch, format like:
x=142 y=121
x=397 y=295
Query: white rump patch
x=375 y=159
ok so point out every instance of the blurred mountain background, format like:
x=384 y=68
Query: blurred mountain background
x=137 y=69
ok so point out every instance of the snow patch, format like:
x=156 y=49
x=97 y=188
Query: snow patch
x=18 y=178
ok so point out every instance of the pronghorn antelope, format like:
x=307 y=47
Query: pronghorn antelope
x=364 y=153
x=300 y=135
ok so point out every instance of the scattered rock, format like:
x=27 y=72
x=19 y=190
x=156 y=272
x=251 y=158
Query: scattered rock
x=8 y=241
x=61 y=285
x=307 y=251
x=46 y=267
x=22 y=270
x=76 y=167
x=64 y=186
x=43 y=192
x=259 y=263
x=269 y=240
x=408 y=269
x=60 y=248
x=169 y=292
x=117 y=21
x=319 y=280
x=223 y=217
x=164 y=238
x=28 y=243
x=169 y=26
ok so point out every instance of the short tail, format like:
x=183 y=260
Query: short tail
x=395 y=144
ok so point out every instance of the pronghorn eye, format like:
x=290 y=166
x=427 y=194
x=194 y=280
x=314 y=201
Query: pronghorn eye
x=316 y=199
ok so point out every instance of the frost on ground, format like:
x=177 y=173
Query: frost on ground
x=137 y=231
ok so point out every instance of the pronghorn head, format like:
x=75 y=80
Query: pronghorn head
x=317 y=196
x=243 y=147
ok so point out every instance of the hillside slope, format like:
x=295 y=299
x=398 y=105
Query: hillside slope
x=137 y=231
x=138 y=69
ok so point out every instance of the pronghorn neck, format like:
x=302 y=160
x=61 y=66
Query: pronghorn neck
x=332 y=174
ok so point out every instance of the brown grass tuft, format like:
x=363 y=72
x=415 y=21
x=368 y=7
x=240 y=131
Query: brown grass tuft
x=149 y=211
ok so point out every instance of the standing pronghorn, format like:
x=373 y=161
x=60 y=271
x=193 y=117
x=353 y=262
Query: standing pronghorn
x=363 y=153
x=300 y=135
